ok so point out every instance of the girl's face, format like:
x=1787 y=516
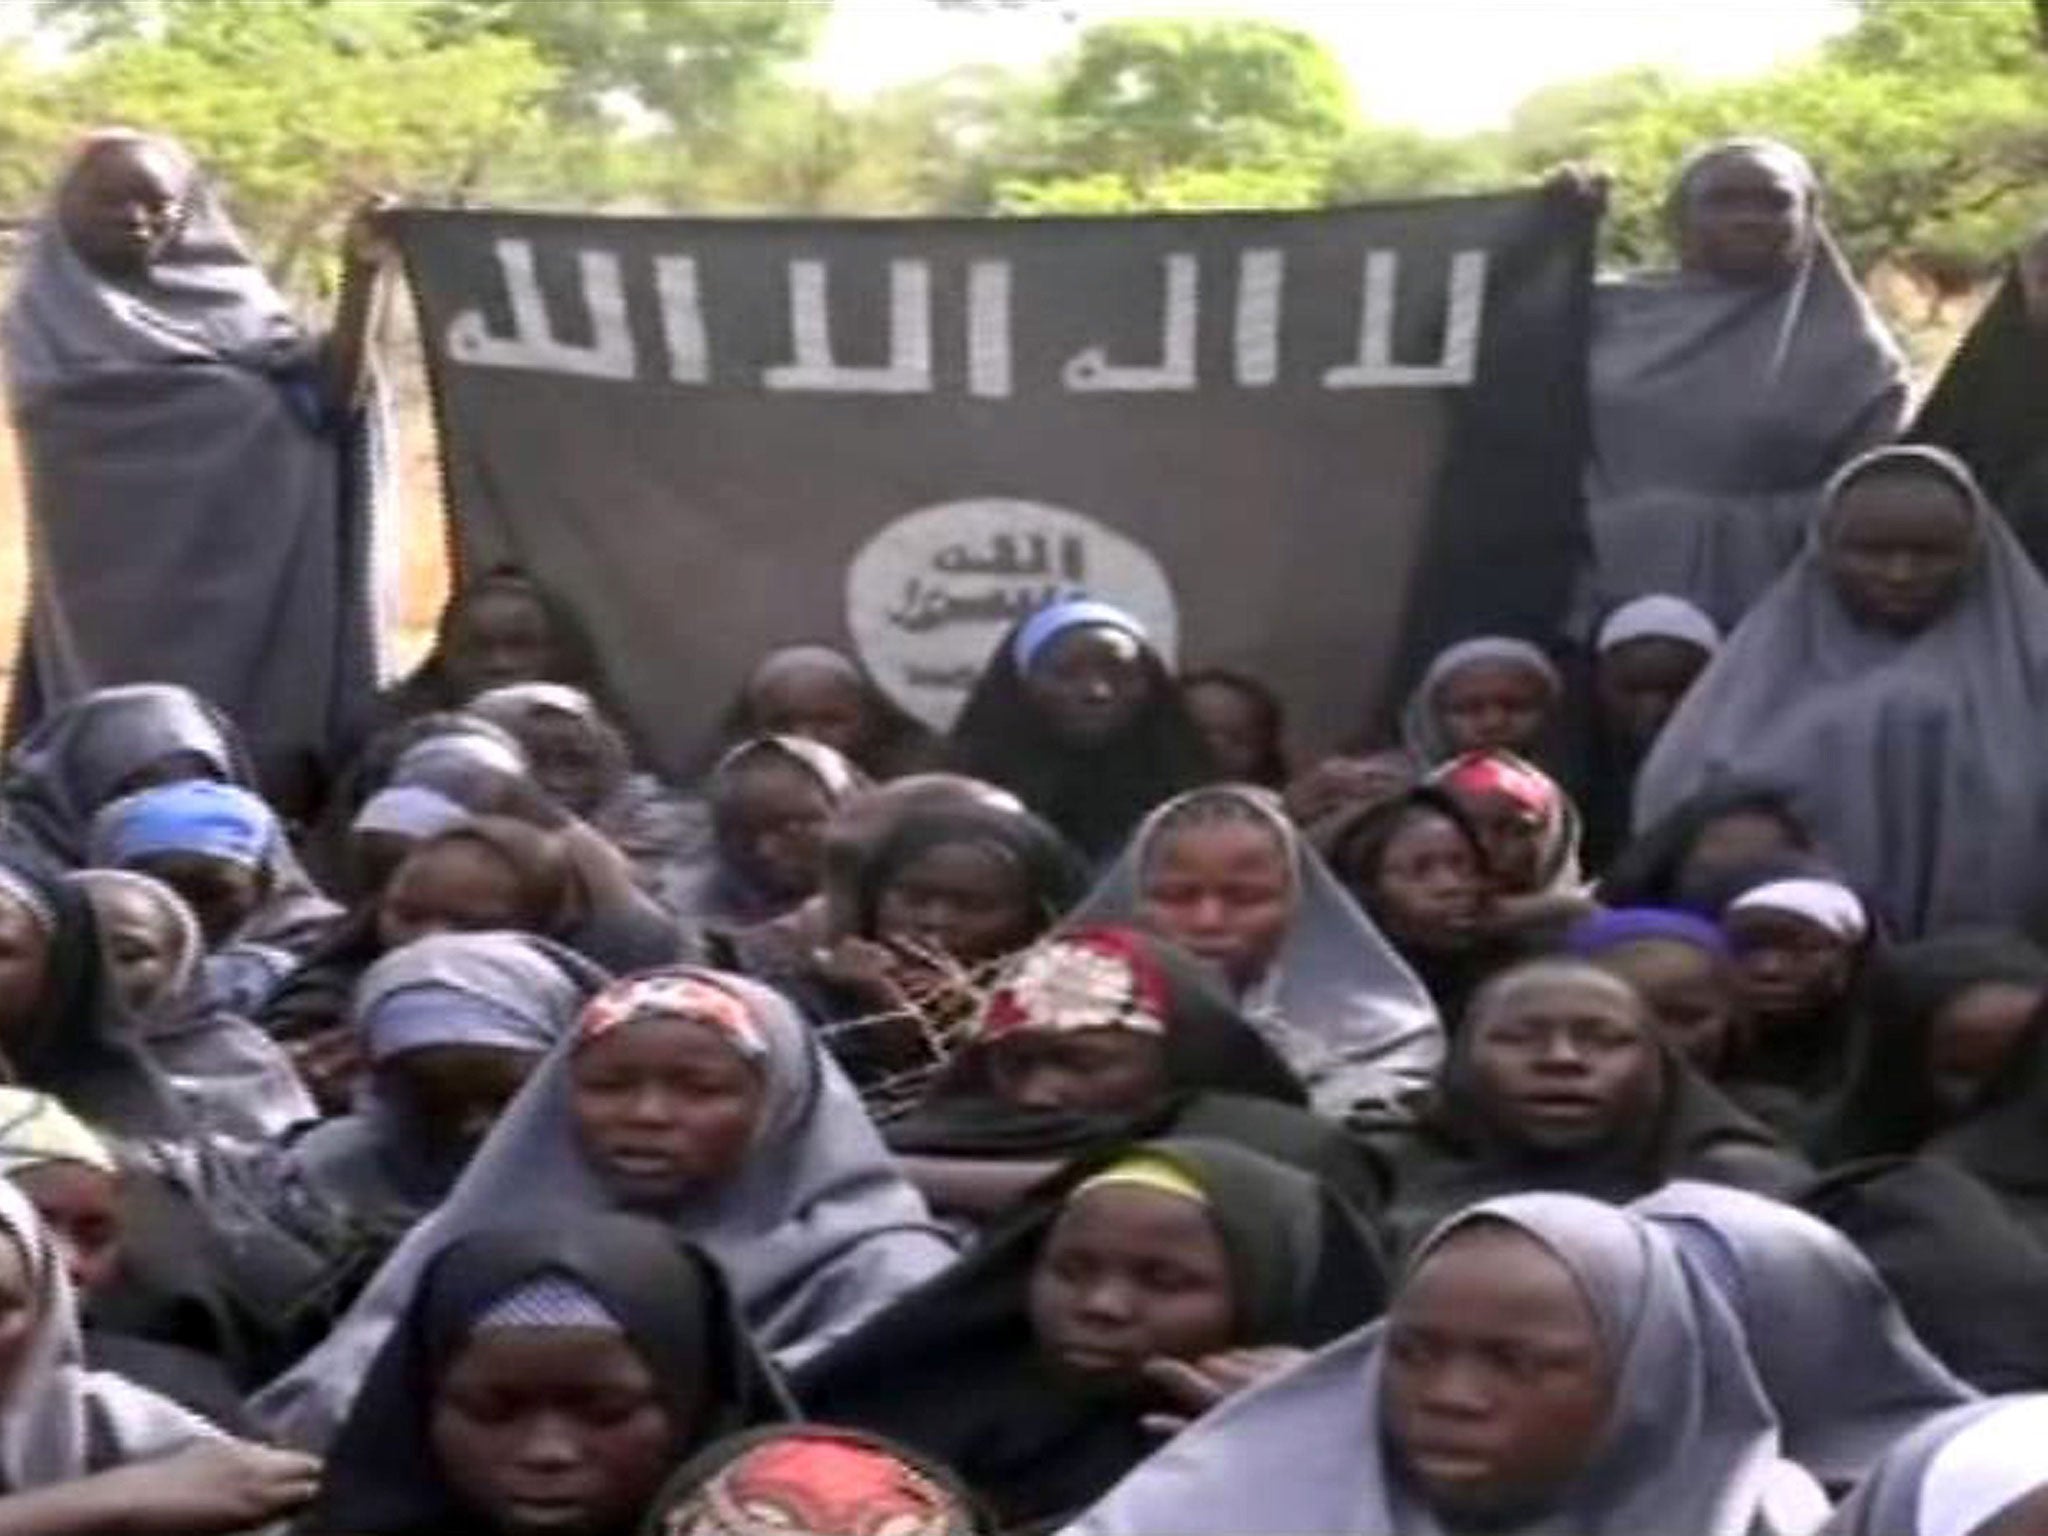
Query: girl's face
x=569 y=760
x=222 y=894
x=965 y=900
x=81 y=1209
x=1730 y=841
x=819 y=702
x=1898 y=548
x=500 y=637
x=1564 y=1064
x=1746 y=218
x=17 y=1312
x=665 y=1107
x=1640 y=683
x=140 y=943
x=24 y=968
x=1086 y=1071
x=1496 y=1386
x=454 y=1094
x=1089 y=683
x=458 y=886
x=556 y=1430
x=122 y=206
x=1237 y=728
x=1512 y=835
x=1972 y=1037
x=1487 y=705
x=1224 y=891
x=1690 y=995
x=1791 y=969
x=771 y=822
x=1429 y=886
x=1129 y=1275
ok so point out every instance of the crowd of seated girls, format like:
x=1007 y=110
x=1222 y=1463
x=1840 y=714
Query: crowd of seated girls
x=1612 y=1097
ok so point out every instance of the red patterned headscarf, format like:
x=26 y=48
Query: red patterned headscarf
x=1092 y=978
x=673 y=995
x=813 y=1482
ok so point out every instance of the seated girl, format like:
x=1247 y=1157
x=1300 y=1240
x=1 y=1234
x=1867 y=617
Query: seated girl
x=1560 y=1081
x=770 y=800
x=230 y=1076
x=1548 y=1364
x=1529 y=830
x=1489 y=694
x=1224 y=874
x=946 y=896
x=702 y=1100
x=821 y=693
x=1681 y=967
x=545 y=1376
x=85 y=1452
x=1027 y=1367
x=1078 y=715
x=1102 y=1035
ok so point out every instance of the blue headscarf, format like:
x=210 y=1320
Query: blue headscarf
x=1603 y=931
x=1055 y=619
x=218 y=820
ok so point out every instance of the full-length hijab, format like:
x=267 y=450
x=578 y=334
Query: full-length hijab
x=1690 y=1443
x=1338 y=1002
x=1912 y=758
x=1954 y=1476
x=953 y=1367
x=1719 y=410
x=1842 y=1367
x=196 y=515
x=673 y=1310
x=58 y=1420
x=817 y=1232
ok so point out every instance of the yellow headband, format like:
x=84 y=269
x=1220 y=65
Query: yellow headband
x=1145 y=1170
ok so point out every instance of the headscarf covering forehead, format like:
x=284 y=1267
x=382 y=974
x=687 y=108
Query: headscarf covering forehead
x=1422 y=727
x=827 y=765
x=1803 y=686
x=1689 y=1444
x=1658 y=617
x=203 y=298
x=36 y=1129
x=197 y=816
x=1338 y=1003
x=812 y=1482
x=1775 y=153
x=674 y=996
x=518 y=996
x=1905 y=459
x=1843 y=1368
x=815 y=1231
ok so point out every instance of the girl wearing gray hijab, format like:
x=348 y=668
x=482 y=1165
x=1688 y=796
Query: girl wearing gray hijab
x=199 y=474
x=1223 y=873
x=1725 y=393
x=1977 y=1471
x=1549 y=1364
x=775 y=1171
x=1843 y=1368
x=1891 y=684
x=110 y=744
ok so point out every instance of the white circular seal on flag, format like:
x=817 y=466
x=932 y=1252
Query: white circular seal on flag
x=928 y=597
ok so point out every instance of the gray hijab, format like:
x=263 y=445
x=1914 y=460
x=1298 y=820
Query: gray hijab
x=1842 y=1366
x=1955 y=1475
x=818 y=1231
x=1943 y=820
x=1338 y=1003
x=186 y=392
x=1720 y=409
x=1689 y=1446
x=1422 y=726
x=71 y=765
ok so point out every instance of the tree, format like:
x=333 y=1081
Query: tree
x=1184 y=113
